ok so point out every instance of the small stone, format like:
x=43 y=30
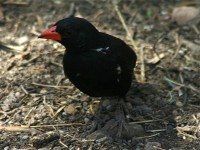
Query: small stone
x=17 y=94
x=70 y=109
x=21 y=40
x=152 y=146
x=151 y=97
x=57 y=148
x=82 y=111
x=70 y=100
x=198 y=134
x=198 y=115
x=86 y=120
x=148 y=27
x=129 y=106
x=63 y=101
x=175 y=112
x=186 y=15
x=179 y=104
x=106 y=103
x=6 y=148
x=85 y=104
x=59 y=77
x=38 y=116
x=143 y=110
x=88 y=112
x=47 y=76
x=134 y=130
x=43 y=91
x=43 y=140
x=66 y=81
x=36 y=98
x=85 y=145
x=25 y=137
x=79 y=106
x=157 y=99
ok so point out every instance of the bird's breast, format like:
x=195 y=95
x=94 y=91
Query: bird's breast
x=93 y=73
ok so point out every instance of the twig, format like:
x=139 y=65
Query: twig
x=124 y=24
x=57 y=64
x=144 y=121
x=182 y=85
x=188 y=135
x=27 y=128
x=51 y=86
x=15 y=3
x=58 y=111
x=142 y=74
x=188 y=128
x=7 y=48
x=30 y=60
x=147 y=136
x=160 y=39
x=63 y=144
x=15 y=129
x=55 y=125
x=156 y=59
x=158 y=130
x=196 y=29
x=91 y=108
x=79 y=140
x=131 y=40
x=179 y=44
x=194 y=105
x=23 y=89
x=29 y=113
x=72 y=10
x=158 y=148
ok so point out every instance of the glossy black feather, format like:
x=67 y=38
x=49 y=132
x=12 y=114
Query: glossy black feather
x=96 y=63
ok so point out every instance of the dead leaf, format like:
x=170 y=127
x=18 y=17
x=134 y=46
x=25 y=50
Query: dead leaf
x=156 y=59
x=70 y=109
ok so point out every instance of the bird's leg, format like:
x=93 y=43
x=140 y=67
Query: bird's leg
x=120 y=113
x=96 y=124
x=124 y=107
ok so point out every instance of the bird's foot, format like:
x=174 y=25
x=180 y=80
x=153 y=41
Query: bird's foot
x=96 y=124
x=120 y=119
x=98 y=120
x=112 y=127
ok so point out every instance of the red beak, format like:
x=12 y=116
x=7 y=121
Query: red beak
x=51 y=34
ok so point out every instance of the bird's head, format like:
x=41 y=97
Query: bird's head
x=73 y=32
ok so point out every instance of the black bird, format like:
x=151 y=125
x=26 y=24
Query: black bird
x=98 y=64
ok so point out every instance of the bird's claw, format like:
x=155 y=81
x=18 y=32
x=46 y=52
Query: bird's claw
x=120 y=121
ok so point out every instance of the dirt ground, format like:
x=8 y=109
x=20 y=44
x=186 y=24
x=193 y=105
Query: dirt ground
x=41 y=109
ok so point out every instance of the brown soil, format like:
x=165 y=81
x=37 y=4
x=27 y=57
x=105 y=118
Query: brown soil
x=40 y=108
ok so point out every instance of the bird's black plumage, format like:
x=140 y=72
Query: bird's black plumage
x=96 y=63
